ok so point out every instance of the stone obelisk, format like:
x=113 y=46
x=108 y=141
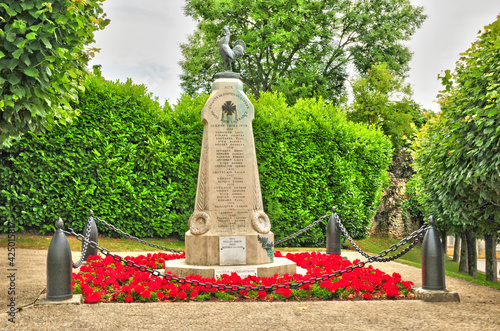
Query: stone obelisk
x=229 y=226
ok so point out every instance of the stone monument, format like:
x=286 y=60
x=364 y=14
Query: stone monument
x=229 y=230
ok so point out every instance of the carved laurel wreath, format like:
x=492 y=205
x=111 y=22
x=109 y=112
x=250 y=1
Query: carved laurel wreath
x=260 y=222
x=199 y=223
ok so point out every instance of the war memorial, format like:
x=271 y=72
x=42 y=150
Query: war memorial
x=229 y=231
x=229 y=226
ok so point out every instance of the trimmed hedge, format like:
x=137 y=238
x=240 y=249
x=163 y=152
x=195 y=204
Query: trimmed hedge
x=310 y=159
x=110 y=161
x=135 y=164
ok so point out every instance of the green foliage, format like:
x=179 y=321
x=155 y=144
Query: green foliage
x=42 y=61
x=111 y=160
x=323 y=293
x=384 y=100
x=300 y=294
x=78 y=289
x=412 y=206
x=301 y=48
x=136 y=165
x=428 y=145
x=203 y=297
x=458 y=152
x=310 y=159
x=224 y=296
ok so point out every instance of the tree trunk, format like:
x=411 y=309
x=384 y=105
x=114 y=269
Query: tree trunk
x=456 y=249
x=444 y=242
x=491 y=257
x=463 y=266
x=472 y=254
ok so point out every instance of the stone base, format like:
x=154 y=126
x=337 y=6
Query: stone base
x=77 y=299
x=203 y=250
x=436 y=296
x=280 y=266
x=227 y=74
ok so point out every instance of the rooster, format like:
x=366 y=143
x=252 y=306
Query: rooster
x=228 y=54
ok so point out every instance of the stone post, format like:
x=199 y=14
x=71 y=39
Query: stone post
x=59 y=267
x=229 y=230
x=433 y=271
x=333 y=239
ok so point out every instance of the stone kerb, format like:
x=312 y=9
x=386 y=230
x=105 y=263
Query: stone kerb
x=228 y=218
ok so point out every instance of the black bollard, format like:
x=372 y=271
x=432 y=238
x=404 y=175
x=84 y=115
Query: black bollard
x=59 y=267
x=433 y=273
x=93 y=236
x=333 y=240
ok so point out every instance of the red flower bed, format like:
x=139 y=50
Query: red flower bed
x=106 y=280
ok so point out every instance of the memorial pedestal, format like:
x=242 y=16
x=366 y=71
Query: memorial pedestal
x=280 y=266
x=217 y=250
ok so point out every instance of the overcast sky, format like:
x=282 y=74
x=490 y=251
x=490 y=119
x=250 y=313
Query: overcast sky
x=142 y=42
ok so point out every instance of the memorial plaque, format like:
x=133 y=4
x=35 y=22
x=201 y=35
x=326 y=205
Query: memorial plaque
x=243 y=273
x=232 y=250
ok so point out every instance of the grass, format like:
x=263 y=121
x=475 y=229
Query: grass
x=113 y=244
x=374 y=245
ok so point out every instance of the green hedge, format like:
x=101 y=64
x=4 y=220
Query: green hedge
x=135 y=164
x=110 y=161
x=310 y=159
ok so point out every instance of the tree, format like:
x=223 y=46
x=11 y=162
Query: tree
x=42 y=60
x=429 y=152
x=299 y=47
x=384 y=100
x=458 y=154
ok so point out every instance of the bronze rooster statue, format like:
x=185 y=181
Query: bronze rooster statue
x=228 y=54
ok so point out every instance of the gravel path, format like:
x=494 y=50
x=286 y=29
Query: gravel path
x=479 y=308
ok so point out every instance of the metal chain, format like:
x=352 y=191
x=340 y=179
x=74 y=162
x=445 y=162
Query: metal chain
x=301 y=231
x=414 y=238
x=114 y=228
x=208 y=285
x=84 y=244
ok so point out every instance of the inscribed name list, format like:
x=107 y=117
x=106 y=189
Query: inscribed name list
x=231 y=166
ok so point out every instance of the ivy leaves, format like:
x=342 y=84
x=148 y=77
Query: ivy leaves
x=42 y=61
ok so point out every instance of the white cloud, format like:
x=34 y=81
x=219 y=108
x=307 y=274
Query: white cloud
x=449 y=30
x=142 y=42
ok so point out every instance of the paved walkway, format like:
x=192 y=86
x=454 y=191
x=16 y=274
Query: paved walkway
x=479 y=308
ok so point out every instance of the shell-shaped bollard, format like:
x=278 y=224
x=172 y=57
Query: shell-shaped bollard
x=92 y=237
x=59 y=267
x=433 y=272
x=333 y=239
